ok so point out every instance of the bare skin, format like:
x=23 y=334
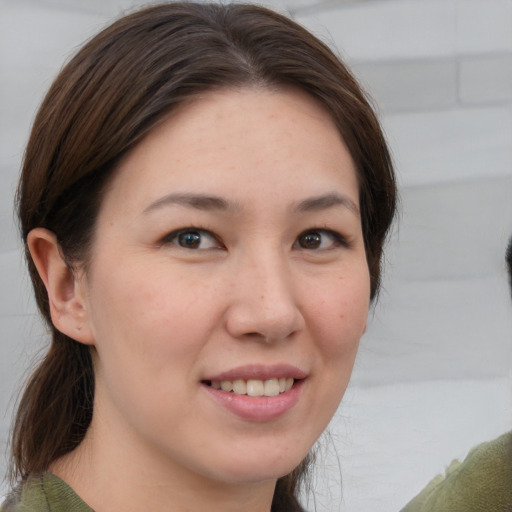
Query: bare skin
x=228 y=242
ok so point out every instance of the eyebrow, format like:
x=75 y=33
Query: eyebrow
x=212 y=203
x=197 y=201
x=324 y=202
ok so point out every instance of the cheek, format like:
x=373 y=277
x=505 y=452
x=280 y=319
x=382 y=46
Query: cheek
x=339 y=316
x=150 y=328
x=337 y=321
x=140 y=310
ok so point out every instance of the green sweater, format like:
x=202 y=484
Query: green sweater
x=46 y=493
x=482 y=483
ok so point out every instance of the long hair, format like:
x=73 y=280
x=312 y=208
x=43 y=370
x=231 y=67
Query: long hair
x=118 y=87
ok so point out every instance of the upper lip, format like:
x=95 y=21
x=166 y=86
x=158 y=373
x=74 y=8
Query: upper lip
x=259 y=372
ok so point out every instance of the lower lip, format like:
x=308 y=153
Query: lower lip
x=261 y=408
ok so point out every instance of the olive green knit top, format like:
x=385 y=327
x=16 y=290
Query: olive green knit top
x=45 y=493
x=482 y=483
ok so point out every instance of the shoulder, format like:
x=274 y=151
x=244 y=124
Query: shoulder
x=481 y=483
x=44 y=493
x=28 y=496
x=9 y=504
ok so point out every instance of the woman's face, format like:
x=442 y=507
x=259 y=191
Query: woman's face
x=228 y=253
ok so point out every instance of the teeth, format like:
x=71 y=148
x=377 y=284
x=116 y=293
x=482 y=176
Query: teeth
x=271 y=387
x=254 y=387
x=226 y=385
x=239 y=387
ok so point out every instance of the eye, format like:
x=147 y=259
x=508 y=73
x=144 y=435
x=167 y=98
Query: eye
x=315 y=239
x=192 y=238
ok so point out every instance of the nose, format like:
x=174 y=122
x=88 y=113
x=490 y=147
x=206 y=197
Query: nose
x=264 y=303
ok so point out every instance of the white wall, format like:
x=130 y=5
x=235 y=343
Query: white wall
x=434 y=373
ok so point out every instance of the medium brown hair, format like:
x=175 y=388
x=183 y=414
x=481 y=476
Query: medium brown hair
x=119 y=86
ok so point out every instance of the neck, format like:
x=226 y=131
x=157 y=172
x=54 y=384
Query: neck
x=108 y=477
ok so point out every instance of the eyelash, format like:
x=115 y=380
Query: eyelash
x=338 y=240
x=169 y=239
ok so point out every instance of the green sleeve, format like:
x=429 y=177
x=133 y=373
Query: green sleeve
x=482 y=483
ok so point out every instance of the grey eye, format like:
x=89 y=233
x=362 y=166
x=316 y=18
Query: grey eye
x=191 y=238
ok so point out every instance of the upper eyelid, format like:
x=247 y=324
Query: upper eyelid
x=329 y=231
x=176 y=232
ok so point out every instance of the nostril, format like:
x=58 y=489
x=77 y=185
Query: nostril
x=247 y=319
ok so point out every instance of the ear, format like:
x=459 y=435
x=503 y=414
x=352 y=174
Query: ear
x=65 y=289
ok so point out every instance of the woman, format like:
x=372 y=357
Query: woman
x=204 y=200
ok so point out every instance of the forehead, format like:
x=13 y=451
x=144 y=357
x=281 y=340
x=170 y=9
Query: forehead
x=240 y=142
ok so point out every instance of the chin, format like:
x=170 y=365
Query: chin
x=260 y=469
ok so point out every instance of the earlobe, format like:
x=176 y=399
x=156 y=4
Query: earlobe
x=64 y=288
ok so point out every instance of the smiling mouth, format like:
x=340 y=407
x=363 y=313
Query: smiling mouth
x=253 y=387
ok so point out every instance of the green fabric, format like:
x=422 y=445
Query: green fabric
x=482 y=483
x=46 y=493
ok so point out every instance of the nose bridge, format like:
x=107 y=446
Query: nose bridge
x=264 y=300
